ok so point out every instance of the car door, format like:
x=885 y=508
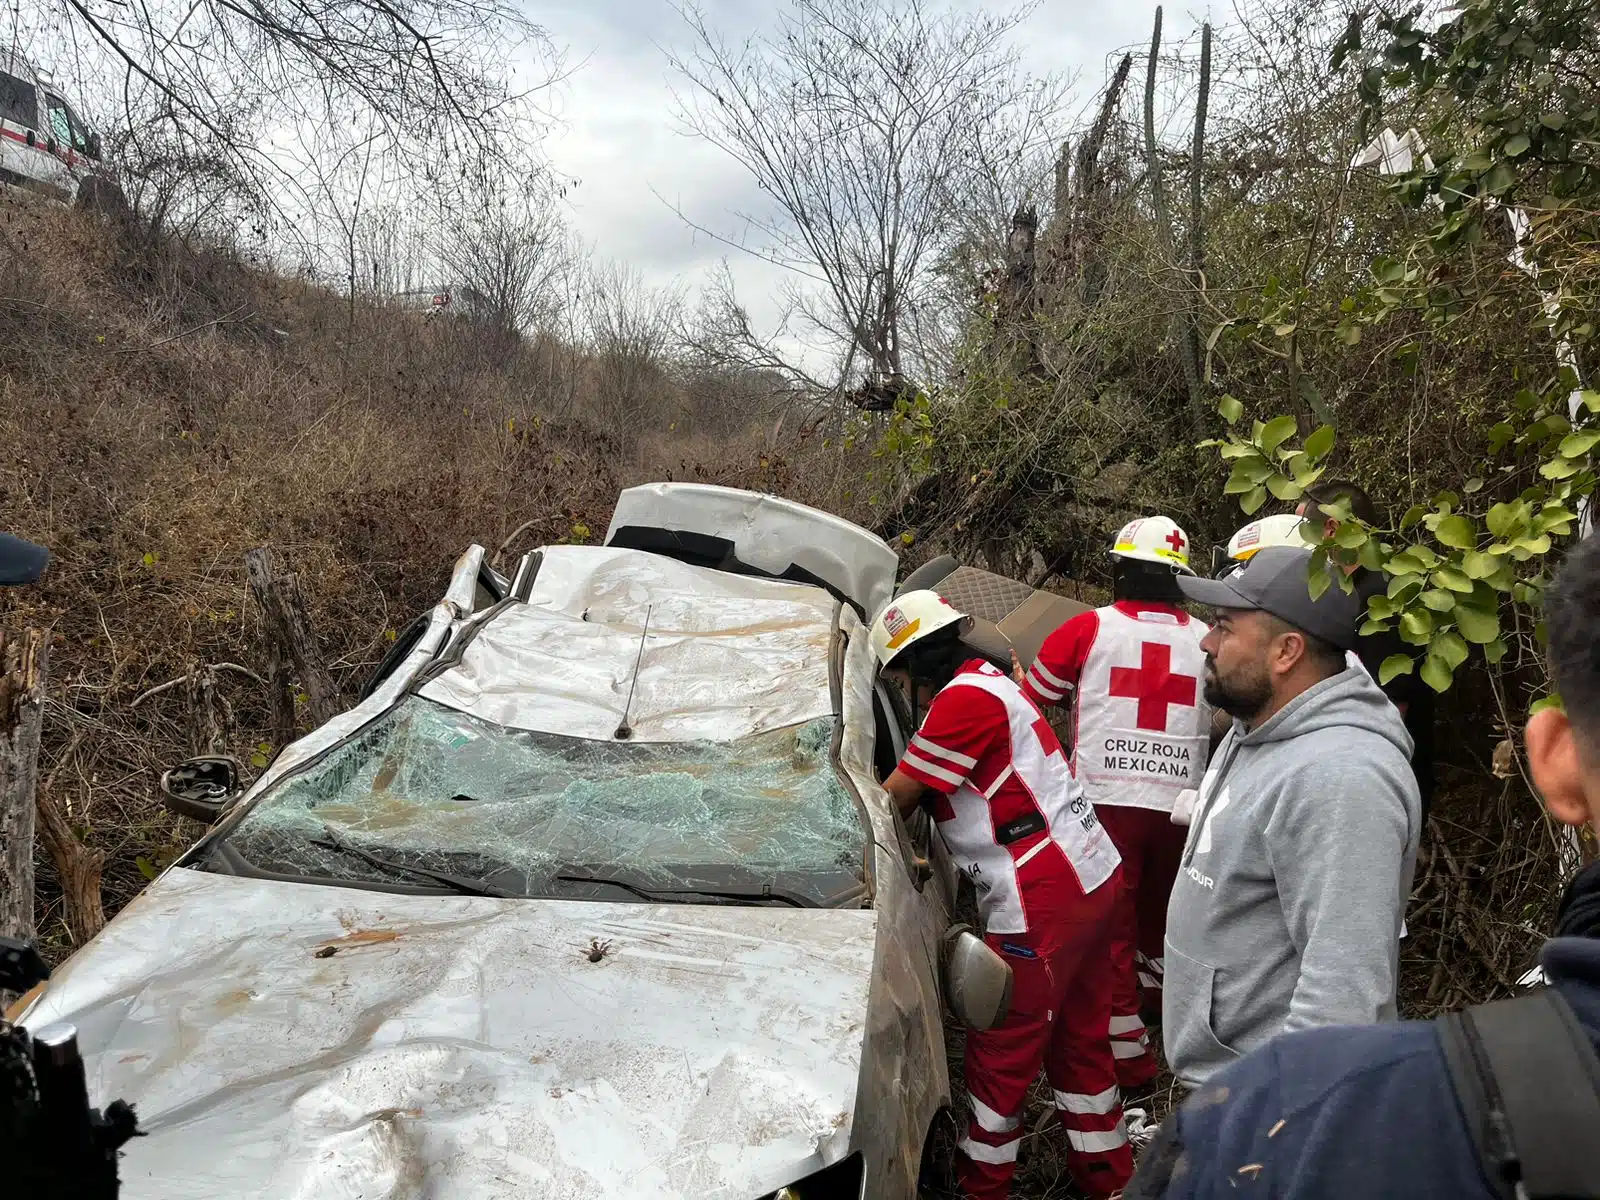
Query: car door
x=938 y=878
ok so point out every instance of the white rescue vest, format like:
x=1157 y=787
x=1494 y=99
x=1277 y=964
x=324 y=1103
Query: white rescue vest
x=1142 y=728
x=1069 y=817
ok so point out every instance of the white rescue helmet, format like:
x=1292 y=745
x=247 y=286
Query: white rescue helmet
x=1281 y=530
x=909 y=619
x=1154 y=539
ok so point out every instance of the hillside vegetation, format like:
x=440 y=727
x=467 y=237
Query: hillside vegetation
x=166 y=409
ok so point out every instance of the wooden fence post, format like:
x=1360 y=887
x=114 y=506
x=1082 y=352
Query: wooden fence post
x=24 y=662
x=283 y=609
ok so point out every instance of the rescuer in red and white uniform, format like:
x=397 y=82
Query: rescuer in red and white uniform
x=1047 y=879
x=1141 y=735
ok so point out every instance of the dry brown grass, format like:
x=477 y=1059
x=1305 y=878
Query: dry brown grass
x=165 y=409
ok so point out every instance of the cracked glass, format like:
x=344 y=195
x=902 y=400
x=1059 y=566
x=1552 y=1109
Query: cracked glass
x=432 y=788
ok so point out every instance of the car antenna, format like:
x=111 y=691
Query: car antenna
x=625 y=731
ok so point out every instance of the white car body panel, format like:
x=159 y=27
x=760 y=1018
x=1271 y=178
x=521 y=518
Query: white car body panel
x=464 y=1047
x=468 y=1043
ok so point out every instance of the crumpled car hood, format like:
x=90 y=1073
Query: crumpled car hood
x=288 y=1040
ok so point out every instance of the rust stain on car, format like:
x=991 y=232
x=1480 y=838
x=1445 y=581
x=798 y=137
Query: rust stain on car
x=354 y=939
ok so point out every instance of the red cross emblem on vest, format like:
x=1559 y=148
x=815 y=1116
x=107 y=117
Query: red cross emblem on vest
x=1153 y=685
x=1175 y=540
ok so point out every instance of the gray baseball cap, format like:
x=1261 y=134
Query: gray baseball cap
x=20 y=561
x=1274 y=581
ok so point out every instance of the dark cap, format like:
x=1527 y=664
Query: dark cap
x=20 y=561
x=1275 y=581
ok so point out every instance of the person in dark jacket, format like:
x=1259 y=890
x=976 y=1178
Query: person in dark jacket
x=1369 y=1111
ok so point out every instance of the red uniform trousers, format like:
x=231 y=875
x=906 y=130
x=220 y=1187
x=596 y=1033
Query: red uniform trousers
x=1151 y=847
x=1060 y=1012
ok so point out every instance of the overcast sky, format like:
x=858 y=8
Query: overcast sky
x=619 y=139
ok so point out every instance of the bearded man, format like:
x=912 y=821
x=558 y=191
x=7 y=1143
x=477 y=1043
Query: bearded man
x=1291 y=891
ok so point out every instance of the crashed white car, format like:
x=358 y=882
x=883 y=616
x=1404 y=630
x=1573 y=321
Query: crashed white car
x=596 y=894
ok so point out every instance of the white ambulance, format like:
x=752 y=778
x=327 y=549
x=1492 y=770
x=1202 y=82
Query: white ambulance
x=44 y=144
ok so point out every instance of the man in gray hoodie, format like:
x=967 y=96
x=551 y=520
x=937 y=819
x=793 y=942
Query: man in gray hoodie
x=1289 y=900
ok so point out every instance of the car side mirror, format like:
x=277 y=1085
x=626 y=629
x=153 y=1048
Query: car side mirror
x=977 y=981
x=201 y=787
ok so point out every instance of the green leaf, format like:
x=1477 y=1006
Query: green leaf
x=1576 y=445
x=1371 y=627
x=1395 y=664
x=1516 y=147
x=1436 y=673
x=1230 y=409
x=1449 y=646
x=1276 y=432
x=1544 y=702
x=1479 y=565
x=1560 y=468
x=1350 y=535
x=1416 y=625
x=1413 y=514
x=1495 y=650
x=1453 y=579
x=1284 y=489
x=1380 y=606
x=1502 y=519
x=1538 y=544
x=1238 y=483
x=1321 y=441
x=1253 y=501
x=1498 y=180
x=1437 y=600
x=1477 y=626
x=1318 y=581
x=1472 y=485
x=1457 y=532
x=1232 y=450
x=146 y=867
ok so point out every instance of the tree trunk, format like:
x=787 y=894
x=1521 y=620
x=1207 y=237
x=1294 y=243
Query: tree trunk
x=23 y=664
x=1092 y=208
x=1014 y=315
x=77 y=869
x=288 y=630
x=1191 y=332
x=210 y=717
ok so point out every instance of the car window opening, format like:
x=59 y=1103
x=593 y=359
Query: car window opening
x=441 y=790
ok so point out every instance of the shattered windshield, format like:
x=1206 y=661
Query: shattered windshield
x=426 y=787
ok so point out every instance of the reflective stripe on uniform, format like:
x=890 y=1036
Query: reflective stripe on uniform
x=989 y=1120
x=985 y=1153
x=912 y=758
x=1098 y=1104
x=1098 y=1143
x=1028 y=857
x=934 y=750
x=999 y=782
x=1128 y=1049
x=1126 y=1025
x=1050 y=677
x=1148 y=981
